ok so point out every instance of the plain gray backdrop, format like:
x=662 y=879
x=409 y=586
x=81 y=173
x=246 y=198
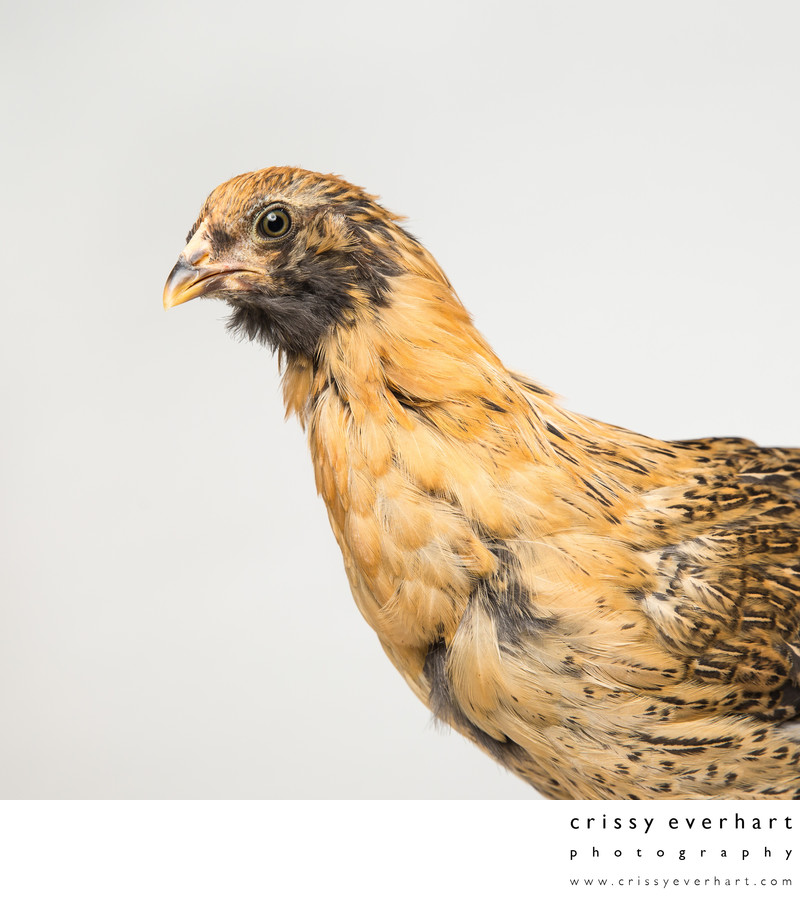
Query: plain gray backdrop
x=612 y=187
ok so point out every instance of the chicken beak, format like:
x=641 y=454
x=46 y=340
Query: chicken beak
x=182 y=284
x=190 y=277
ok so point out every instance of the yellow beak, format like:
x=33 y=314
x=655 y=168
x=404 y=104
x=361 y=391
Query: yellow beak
x=195 y=275
x=187 y=281
x=190 y=277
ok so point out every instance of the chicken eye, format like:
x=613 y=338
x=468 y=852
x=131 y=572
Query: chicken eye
x=274 y=223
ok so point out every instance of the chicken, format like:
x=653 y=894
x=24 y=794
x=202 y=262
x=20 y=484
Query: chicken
x=605 y=614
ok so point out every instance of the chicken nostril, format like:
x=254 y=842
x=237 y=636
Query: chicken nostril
x=197 y=251
x=198 y=256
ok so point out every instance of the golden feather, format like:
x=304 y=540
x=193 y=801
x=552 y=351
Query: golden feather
x=607 y=615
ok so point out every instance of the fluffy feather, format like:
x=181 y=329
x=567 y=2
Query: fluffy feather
x=607 y=615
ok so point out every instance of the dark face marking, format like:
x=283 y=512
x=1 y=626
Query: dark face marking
x=311 y=292
x=318 y=252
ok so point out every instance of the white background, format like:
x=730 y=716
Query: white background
x=420 y=848
x=612 y=187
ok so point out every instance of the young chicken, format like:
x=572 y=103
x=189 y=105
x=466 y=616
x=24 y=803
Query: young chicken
x=607 y=615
